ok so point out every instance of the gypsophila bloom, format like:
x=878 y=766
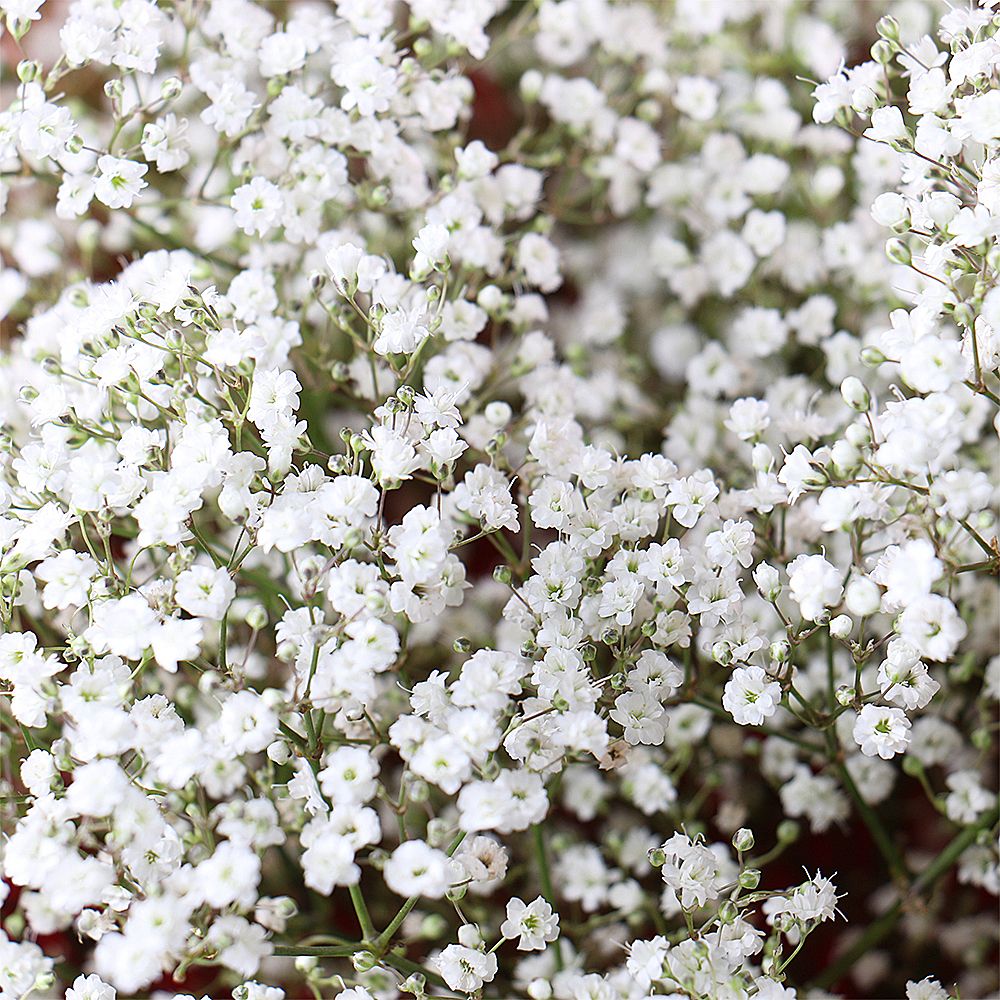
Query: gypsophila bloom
x=469 y=470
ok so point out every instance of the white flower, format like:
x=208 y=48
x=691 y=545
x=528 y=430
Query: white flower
x=814 y=584
x=257 y=205
x=751 y=696
x=417 y=869
x=466 y=969
x=118 y=181
x=881 y=731
x=533 y=924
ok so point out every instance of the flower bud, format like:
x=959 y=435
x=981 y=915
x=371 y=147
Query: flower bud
x=762 y=458
x=728 y=912
x=788 y=831
x=749 y=878
x=898 y=252
x=364 y=961
x=845 y=694
x=531 y=86
x=171 y=88
x=841 y=626
x=872 y=357
x=882 y=52
x=256 y=617
x=722 y=653
x=888 y=28
x=855 y=394
x=502 y=574
x=470 y=936
x=656 y=856
x=540 y=989
x=279 y=752
x=416 y=983
x=28 y=70
x=743 y=839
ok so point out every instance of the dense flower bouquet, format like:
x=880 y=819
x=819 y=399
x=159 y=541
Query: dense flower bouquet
x=485 y=486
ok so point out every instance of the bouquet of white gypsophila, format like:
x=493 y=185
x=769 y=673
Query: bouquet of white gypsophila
x=499 y=499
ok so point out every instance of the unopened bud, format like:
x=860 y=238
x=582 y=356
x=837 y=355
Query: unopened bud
x=28 y=70
x=888 y=28
x=898 y=252
x=749 y=878
x=855 y=394
x=364 y=961
x=841 y=626
x=872 y=357
x=882 y=52
x=743 y=839
x=788 y=831
x=540 y=989
x=171 y=88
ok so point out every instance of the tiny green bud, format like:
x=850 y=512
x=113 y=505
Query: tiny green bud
x=888 y=28
x=722 y=653
x=872 y=357
x=749 y=878
x=845 y=695
x=743 y=839
x=788 y=831
x=898 y=252
x=171 y=88
x=502 y=574
x=256 y=617
x=882 y=52
x=415 y=984
x=364 y=961
x=657 y=857
x=462 y=645
x=28 y=70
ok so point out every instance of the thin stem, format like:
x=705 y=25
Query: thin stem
x=546 y=879
x=884 y=925
x=361 y=909
x=381 y=942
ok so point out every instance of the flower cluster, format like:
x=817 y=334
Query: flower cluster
x=464 y=464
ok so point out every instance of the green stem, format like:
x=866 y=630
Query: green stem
x=361 y=909
x=882 y=927
x=546 y=879
x=381 y=942
x=888 y=850
x=316 y=951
